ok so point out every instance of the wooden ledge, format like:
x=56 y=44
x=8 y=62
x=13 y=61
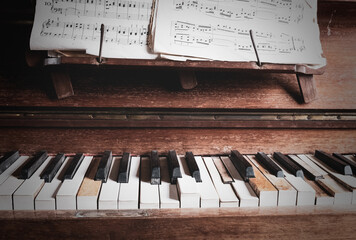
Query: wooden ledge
x=83 y=59
x=299 y=211
x=250 y=223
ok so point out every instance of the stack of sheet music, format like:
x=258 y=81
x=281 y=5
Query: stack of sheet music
x=275 y=31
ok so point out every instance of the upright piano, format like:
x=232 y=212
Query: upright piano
x=130 y=109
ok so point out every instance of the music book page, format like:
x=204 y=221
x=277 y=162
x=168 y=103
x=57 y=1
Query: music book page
x=285 y=31
x=75 y=25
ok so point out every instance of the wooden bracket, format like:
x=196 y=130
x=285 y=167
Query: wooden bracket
x=187 y=79
x=61 y=82
x=307 y=87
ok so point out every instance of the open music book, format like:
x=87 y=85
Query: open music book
x=276 y=31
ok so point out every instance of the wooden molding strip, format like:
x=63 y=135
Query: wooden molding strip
x=174 y=118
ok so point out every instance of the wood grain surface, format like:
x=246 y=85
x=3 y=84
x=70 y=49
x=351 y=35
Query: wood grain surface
x=228 y=223
x=199 y=141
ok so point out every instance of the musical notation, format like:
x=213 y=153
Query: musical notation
x=282 y=11
x=120 y=34
x=75 y=25
x=283 y=31
x=238 y=39
x=116 y=9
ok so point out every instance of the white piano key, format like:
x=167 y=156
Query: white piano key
x=298 y=160
x=149 y=194
x=8 y=172
x=287 y=195
x=209 y=198
x=187 y=187
x=87 y=197
x=348 y=182
x=129 y=192
x=45 y=199
x=243 y=190
x=266 y=192
x=8 y=187
x=67 y=193
x=226 y=194
x=322 y=197
x=167 y=191
x=352 y=158
x=109 y=192
x=312 y=164
x=24 y=196
x=342 y=196
x=305 y=193
x=224 y=174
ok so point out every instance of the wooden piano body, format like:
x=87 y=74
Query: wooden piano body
x=138 y=110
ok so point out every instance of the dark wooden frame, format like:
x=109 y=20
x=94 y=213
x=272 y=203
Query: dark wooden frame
x=63 y=88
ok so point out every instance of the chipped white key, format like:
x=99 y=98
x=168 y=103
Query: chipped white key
x=45 y=199
x=67 y=193
x=24 y=196
x=167 y=191
x=149 y=194
x=109 y=192
x=265 y=190
x=208 y=195
x=129 y=192
x=187 y=187
x=243 y=190
x=226 y=194
x=287 y=195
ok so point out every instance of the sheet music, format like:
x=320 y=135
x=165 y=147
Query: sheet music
x=75 y=25
x=285 y=30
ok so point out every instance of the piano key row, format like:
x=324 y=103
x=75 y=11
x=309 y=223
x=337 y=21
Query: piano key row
x=87 y=182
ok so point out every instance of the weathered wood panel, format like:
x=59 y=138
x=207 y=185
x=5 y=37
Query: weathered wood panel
x=199 y=141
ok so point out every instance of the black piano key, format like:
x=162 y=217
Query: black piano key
x=347 y=161
x=334 y=163
x=288 y=164
x=53 y=167
x=193 y=167
x=33 y=164
x=104 y=167
x=8 y=159
x=269 y=164
x=173 y=166
x=124 y=168
x=155 y=168
x=242 y=165
x=73 y=166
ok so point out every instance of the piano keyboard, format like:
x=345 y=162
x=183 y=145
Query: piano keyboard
x=46 y=182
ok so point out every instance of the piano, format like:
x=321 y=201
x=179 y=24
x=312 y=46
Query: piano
x=123 y=123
